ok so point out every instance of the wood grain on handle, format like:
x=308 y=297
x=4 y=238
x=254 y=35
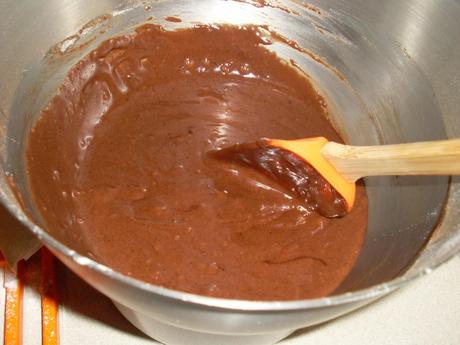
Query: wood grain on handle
x=423 y=158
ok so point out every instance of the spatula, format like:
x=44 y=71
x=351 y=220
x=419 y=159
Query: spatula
x=342 y=165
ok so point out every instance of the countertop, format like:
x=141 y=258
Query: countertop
x=426 y=311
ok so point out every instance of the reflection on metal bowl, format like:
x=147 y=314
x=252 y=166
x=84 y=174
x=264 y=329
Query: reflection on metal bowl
x=390 y=73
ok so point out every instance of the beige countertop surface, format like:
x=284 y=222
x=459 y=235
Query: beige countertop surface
x=427 y=311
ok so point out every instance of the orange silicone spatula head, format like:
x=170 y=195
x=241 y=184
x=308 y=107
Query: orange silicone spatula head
x=298 y=166
x=309 y=149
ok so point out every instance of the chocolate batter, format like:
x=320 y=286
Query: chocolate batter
x=118 y=167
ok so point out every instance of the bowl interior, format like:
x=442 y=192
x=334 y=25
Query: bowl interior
x=377 y=92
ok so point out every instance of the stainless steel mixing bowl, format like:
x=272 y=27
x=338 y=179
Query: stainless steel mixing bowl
x=391 y=73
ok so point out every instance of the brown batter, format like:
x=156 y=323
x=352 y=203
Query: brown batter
x=118 y=167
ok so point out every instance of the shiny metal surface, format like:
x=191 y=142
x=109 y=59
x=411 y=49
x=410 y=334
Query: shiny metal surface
x=392 y=74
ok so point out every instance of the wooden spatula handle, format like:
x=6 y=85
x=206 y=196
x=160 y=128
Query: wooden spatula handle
x=423 y=158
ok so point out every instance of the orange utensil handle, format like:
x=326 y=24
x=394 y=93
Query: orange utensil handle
x=49 y=297
x=13 y=306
